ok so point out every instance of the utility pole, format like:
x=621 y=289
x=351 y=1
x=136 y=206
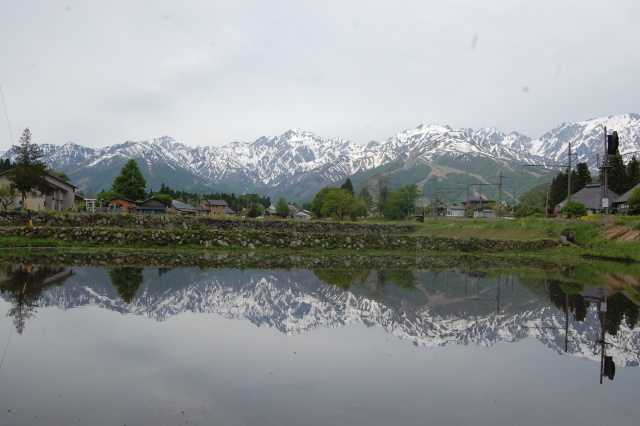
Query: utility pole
x=500 y=200
x=605 y=166
x=569 y=176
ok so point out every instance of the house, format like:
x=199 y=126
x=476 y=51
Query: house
x=181 y=208
x=484 y=212
x=437 y=207
x=297 y=212
x=122 y=205
x=473 y=202
x=212 y=208
x=302 y=215
x=271 y=212
x=621 y=204
x=151 y=206
x=591 y=196
x=456 y=211
x=60 y=196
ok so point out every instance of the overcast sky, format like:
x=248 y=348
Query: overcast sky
x=211 y=72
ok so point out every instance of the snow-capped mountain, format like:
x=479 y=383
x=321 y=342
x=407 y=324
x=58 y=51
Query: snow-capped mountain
x=298 y=163
x=587 y=139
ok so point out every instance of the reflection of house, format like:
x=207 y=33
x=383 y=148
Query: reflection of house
x=181 y=208
x=213 y=208
x=122 y=204
x=591 y=196
x=151 y=206
x=621 y=204
x=59 y=197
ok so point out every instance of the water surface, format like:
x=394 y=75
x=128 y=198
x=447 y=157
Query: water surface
x=147 y=346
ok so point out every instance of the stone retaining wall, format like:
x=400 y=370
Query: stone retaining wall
x=171 y=222
x=254 y=239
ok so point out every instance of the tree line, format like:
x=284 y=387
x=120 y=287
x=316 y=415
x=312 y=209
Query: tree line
x=374 y=197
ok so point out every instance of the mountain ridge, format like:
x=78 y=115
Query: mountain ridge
x=298 y=163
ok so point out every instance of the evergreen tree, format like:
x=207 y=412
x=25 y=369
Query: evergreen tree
x=633 y=172
x=130 y=183
x=558 y=190
x=617 y=175
x=28 y=173
x=5 y=165
x=583 y=177
x=348 y=186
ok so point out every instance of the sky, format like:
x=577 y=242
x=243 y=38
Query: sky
x=208 y=73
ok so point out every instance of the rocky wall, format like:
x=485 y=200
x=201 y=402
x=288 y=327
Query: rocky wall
x=255 y=239
x=190 y=223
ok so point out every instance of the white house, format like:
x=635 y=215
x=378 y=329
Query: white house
x=60 y=197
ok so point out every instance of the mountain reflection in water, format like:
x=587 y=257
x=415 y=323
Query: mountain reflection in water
x=147 y=346
x=423 y=307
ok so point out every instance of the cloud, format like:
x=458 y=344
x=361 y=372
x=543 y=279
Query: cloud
x=209 y=73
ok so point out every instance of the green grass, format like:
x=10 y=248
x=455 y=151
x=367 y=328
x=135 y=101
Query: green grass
x=14 y=242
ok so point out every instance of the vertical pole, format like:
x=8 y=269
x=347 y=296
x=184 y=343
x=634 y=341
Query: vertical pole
x=569 y=176
x=606 y=177
x=466 y=210
x=500 y=211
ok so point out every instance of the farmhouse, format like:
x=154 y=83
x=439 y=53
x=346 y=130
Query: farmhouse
x=591 y=196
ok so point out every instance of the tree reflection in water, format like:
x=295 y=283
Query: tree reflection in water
x=127 y=280
x=25 y=284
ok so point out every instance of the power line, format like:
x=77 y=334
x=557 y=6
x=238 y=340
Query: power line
x=6 y=115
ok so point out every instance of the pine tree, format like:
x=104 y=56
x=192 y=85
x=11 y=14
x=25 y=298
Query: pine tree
x=617 y=175
x=28 y=173
x=130 y=183
x=558 y=190
x=633 y=172
x=348 y=186
x=583 y=177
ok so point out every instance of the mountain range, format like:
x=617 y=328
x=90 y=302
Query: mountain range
x=298 y=163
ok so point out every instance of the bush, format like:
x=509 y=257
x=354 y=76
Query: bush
x=574 y=209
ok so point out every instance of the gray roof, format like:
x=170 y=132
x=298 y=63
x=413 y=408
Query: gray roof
x=181 y=206
x=215 y=202
x=591 y=196
x=625 y=197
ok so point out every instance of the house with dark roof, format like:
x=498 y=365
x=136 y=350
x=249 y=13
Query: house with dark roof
x=213 y=208
x=473 y=202
x=181 y=208
x=151 y=206
x=591 y=196
x=621 y=204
